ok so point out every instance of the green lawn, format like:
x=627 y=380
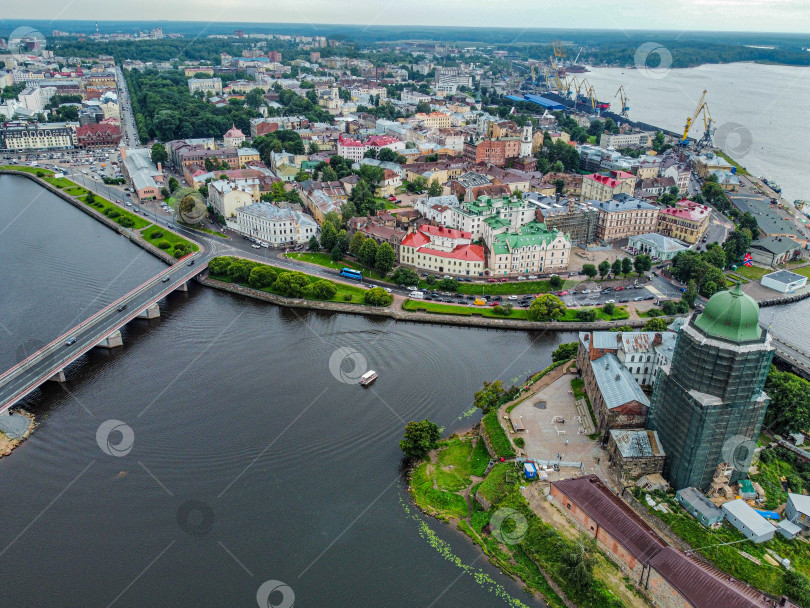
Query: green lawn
x=754 y=273
x=740 y=169
x=104 y=206
x=517 y=313
x=804 y=271
x=38 y=171
x=501 y=289
x=325 y=260
x=464 y=311
x=168 y=235
x=457 y=460
x=356 y=294
x=497 y=436
x=441 y=503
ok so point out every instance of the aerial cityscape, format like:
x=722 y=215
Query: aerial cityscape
x=399 y=305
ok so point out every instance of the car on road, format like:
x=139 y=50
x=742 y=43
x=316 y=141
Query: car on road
x=513 y=297
x=494 y=303
x=519 y=279
x=504 y=280
x=388 y=289
x=563 y=293
x=165 y=279
x=638 y=299
x=492 y=280
x=70 y=341
x=532 y=277
x=413 y=288
x=191 y=263
x=122 y=307
x=255 y=246
x=610 y=301
x=650 y=297
x=620 y=288
x=624 y=300
x=586 y=291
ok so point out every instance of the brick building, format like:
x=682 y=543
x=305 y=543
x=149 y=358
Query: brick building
x=666 y=576
x=101 y=135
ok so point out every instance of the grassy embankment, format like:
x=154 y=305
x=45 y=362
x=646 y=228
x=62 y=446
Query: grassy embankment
x=168 y=236
x=740 y=169
x=325 y=260
x=619 y=314
x=447 y=489
x=346 y=294
x=713 y=544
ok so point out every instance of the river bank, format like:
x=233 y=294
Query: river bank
x=416 y=316
x=14 y=429
x=509 y=519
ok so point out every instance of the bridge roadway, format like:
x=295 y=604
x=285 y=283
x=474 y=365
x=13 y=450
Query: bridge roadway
x=51 y=359
x=793 y=355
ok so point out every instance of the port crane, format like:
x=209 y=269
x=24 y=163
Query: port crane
x=706 y=140
x=559 y=50
x=622 y=95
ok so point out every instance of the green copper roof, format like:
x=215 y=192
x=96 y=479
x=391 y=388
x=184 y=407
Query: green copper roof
x=731 y=315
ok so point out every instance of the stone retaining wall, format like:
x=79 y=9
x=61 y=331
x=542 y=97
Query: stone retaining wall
x=131 y=234
x=417 y=317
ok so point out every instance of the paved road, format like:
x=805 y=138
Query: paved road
x=130 y=132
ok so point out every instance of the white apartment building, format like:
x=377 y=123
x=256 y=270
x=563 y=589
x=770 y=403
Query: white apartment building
x=625 y=140
x=414 y=97
x=472 y=216
x=39 y=136
x=205 y=84
x=36 y=98
x=226 y=196
x=274 y=225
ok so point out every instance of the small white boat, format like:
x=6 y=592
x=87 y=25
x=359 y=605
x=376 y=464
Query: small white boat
x=367 y=378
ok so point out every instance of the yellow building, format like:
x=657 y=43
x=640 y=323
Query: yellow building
x=434 y=120
x=686 y=221
x=604 y=187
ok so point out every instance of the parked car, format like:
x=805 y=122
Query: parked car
x=586 y=291
x=620 y=288
x=650 y=297
x=519 y=279
x=504 y=280
x=492 y=280
x=255 y=246
x=638 y=299
x=533 y=277
x=610 y=301
x=563 y=293
x=513 y=297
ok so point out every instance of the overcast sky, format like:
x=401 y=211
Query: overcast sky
x=743 y=15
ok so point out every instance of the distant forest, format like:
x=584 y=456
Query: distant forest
x=599 y=47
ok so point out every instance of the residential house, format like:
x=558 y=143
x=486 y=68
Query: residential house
x=774 y=250
x=274 y=225
x=442 y=250
x=379 y=228
x=686 y=221
x=530 y=249
x=227 y=196
x=233 y=138
x=604 y=187
x=623 y=217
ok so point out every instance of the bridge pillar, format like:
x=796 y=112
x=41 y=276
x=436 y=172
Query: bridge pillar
x=112 y=341
x=58 y=376
x=182 y=287
x=153 y=312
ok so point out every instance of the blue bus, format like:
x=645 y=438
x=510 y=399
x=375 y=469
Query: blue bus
x=351 y=274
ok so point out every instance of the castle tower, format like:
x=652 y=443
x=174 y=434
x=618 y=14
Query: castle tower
x=708 y=405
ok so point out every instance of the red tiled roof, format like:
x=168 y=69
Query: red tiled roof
x=469 y=253
x=415 y=239
x=603 y=179
x=688 y=210
x=447 y=232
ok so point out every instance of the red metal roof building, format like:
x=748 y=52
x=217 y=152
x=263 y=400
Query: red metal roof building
x=101 y=135
x=443 y=250
x=666 y=575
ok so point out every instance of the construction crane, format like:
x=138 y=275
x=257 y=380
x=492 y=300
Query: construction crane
x=708 y=130
x=622 y=95
x=559 y=49
x=578 y=54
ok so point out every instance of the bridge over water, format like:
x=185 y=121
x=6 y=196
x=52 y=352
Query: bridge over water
x=100 y=330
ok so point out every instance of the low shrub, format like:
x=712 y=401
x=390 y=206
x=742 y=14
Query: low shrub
x=156 y=234
x=164 y=244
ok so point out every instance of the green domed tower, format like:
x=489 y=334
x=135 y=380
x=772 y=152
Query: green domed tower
x=708 y=406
